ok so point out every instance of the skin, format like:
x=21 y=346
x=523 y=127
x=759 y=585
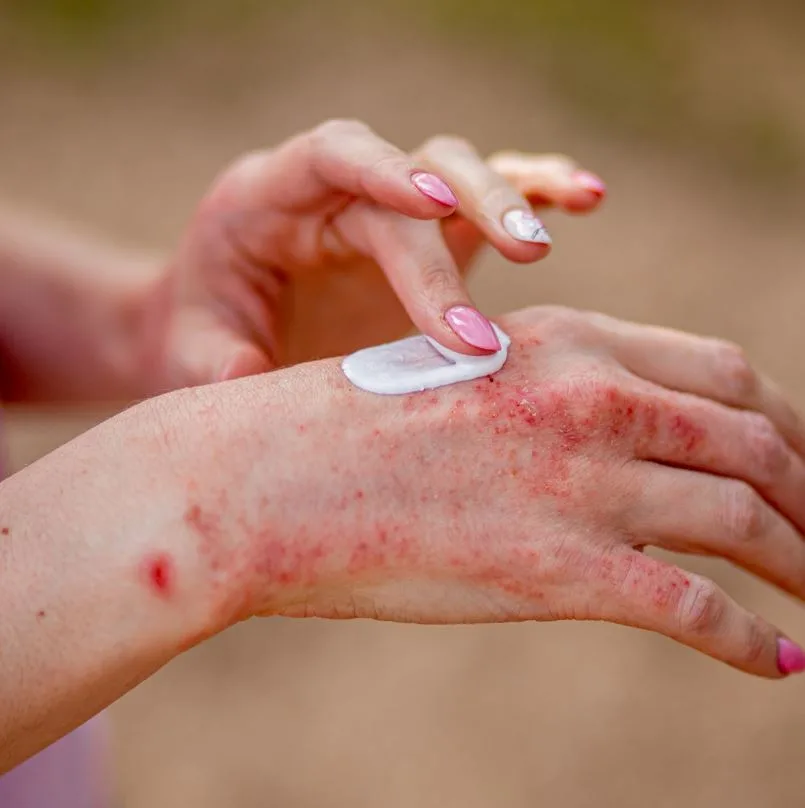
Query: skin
x=528 y=496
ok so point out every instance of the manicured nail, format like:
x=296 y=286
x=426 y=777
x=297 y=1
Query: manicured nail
x=435 y=189
x=473 y=328
x=590 y=182
x=790 y=657
x=524 y=226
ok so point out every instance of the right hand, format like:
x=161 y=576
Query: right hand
x=531 y=495
x=336 y=240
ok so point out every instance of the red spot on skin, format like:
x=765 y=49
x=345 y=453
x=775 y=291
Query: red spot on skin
x=644 y=577
x=5 y=531
x=521 y=576
x=208 y=528
x=160 y=574
x=688 y=435
x=420 y=402
x=383 y=548
x=296 y=563
x=40 y=614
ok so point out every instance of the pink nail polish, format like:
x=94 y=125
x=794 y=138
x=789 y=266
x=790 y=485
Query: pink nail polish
x=473 y=328
x=790 y=657
x=590 y=182
x=435 y=189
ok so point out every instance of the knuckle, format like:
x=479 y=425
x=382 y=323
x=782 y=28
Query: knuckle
x=440 y=144
x=743 y=513
x=559 y=160
x=240 y=171
x=735 y=370
x=703 y=610
x=755 y=646
x=565 y=323
x=767 y=448
x=598 y=406
x=496 y=199
x=437 y=276
x=499 y=159
x=244 y=162
x=336 y=129
x=391 y=164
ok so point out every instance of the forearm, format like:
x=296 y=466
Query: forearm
x=101 y=580
x=161 y=527
x=73 y=315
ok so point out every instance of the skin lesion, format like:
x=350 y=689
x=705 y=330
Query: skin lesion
x=159 y=574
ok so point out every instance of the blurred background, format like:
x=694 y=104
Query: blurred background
x=117 y=114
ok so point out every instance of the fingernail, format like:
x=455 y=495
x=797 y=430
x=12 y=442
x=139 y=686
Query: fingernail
x=790 y=657
x=524 y=226
x=435 y=189
x=590 y=182
x=473 y=328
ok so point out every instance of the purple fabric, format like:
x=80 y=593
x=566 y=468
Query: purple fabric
x=69 y=773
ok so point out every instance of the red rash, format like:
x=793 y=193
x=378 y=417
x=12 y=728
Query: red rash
x=584 y=419
x=589 y=413
x=160 y=575
x=640 y=574
x=208 y=527
x=5 y=531
x=575 y=418
x=296 y=562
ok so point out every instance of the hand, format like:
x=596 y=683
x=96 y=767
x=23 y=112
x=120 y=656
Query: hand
x=532 y=495
x=337 y=240
x=527 y=496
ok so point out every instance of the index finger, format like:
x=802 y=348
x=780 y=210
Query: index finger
x=330 y=165
x=423 y=274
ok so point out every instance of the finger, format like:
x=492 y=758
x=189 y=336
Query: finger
x=551 y=179
x=330 y=165
x=692 y=432
x=722 y=517
x=501 y=214
x=684 y=430
x=710 y=368
x=544 y=181
x=422 y=273
x=203 y=351
x=647 y=593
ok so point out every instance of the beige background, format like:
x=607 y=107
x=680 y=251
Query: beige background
x=303 y=714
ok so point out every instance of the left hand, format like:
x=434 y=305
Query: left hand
x=336 y=240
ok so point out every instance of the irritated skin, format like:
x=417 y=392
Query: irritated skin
x=524 y=496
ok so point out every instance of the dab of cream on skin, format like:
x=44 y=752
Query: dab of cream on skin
x=418 y=363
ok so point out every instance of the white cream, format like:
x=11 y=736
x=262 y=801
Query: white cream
x=418 y=363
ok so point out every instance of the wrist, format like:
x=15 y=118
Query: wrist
x=72 y=310
x=143 y=308
x=264 y=464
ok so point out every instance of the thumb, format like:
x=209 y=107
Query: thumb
x=204 y=350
